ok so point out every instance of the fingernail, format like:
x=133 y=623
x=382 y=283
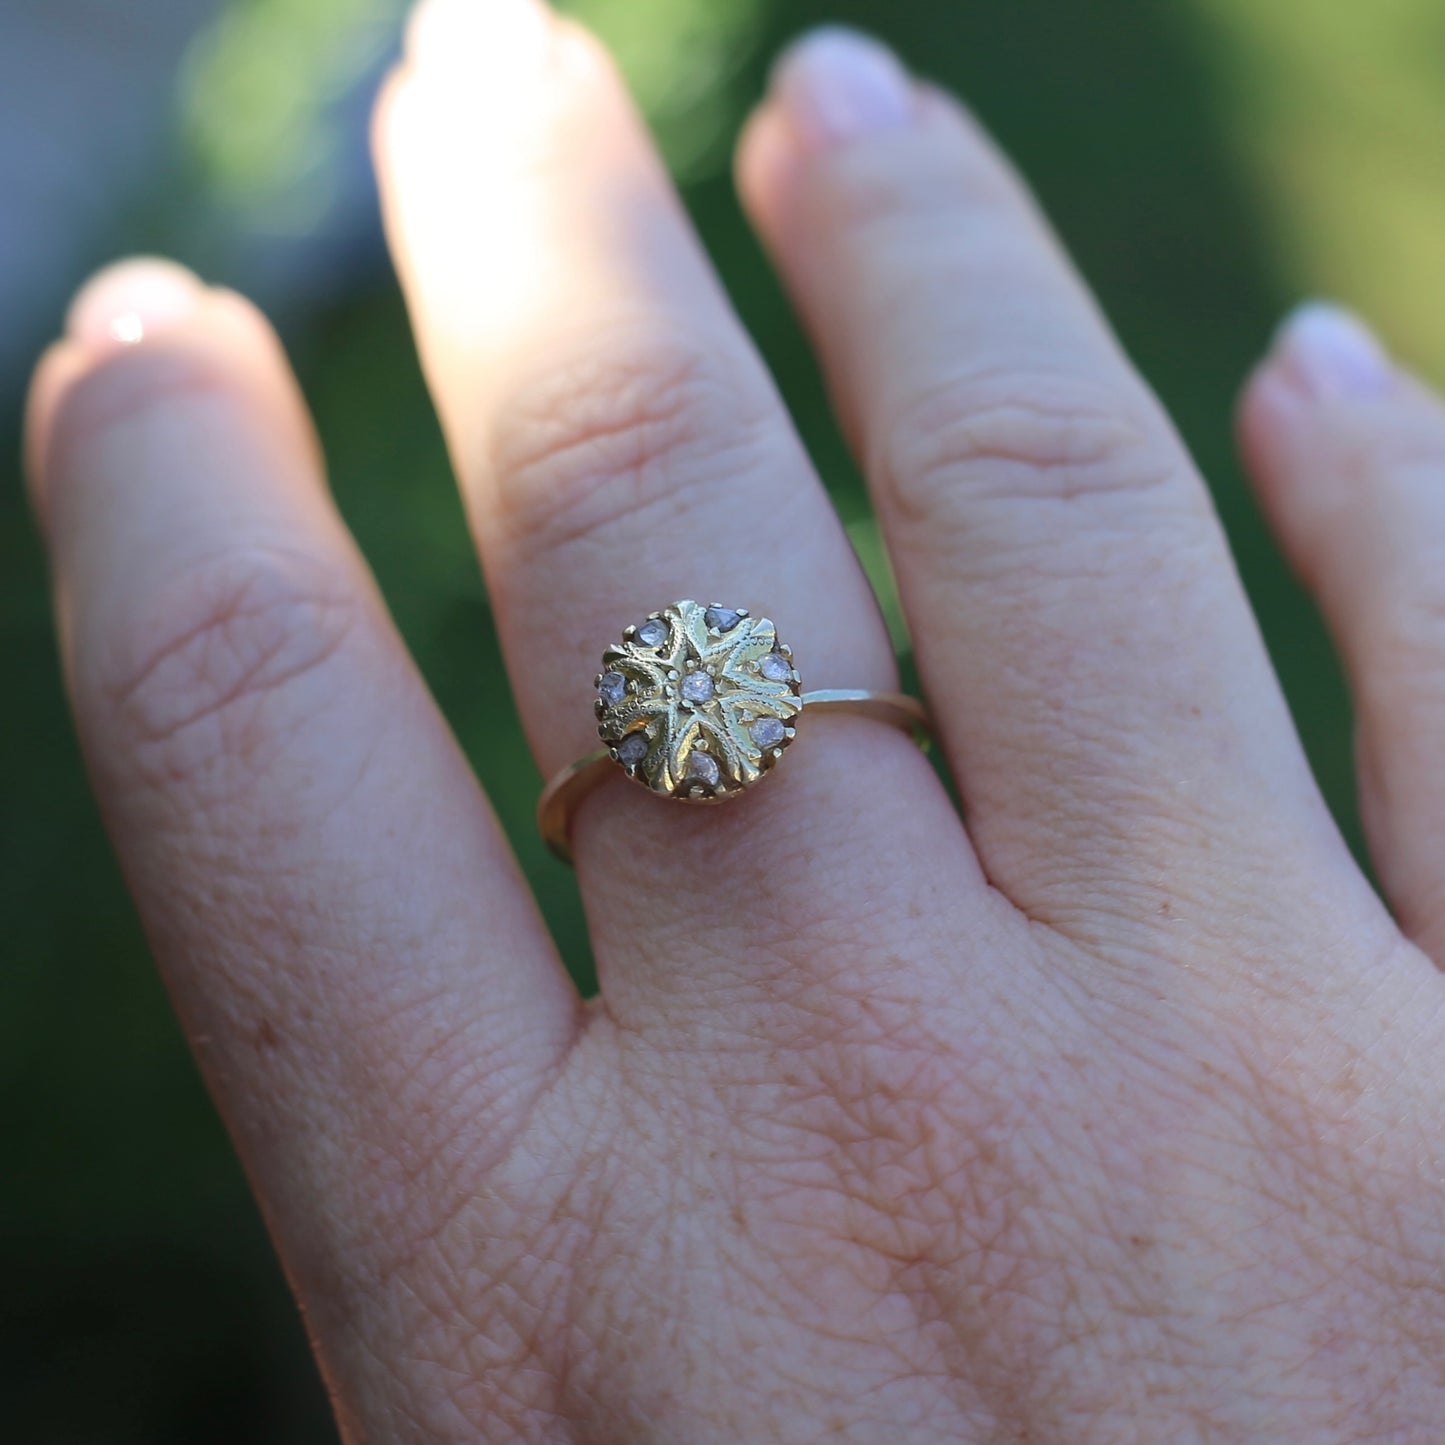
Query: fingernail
x=838 y=85
x=1332 y=354
x=123 y=304
x=495 y=35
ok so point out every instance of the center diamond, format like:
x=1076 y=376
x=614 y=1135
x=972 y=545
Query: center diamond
x=697 y=687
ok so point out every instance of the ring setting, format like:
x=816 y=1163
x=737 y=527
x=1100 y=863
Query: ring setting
x=699 y=703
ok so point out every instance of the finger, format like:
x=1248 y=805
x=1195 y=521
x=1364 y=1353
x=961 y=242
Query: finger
x=1095 y=669
x=620 y=446
x=1349 y=456
x=366 y=983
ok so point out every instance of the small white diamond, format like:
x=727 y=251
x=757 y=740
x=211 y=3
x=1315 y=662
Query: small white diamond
x=613 y=688
x=653 y=632
x=702 y=768
x=632 y=749
x=697 y=687
x=768 y=732
x=775 y=667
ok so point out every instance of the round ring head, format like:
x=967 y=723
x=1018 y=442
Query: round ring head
x=698 y=702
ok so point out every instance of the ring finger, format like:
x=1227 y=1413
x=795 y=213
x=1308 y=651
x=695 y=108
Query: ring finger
x=620 y=446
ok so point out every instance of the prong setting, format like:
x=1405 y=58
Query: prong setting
x=690 y=705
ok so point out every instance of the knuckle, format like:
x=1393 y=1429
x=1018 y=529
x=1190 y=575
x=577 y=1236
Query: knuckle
x=225 y=662
x=1003 y=440
x=630 y=432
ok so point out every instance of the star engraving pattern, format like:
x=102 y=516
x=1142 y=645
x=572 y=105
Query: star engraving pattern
x=704 y=748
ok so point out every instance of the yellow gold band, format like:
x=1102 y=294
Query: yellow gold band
x=561 y=796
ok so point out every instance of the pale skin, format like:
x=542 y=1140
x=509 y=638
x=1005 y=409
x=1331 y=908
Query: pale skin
x=1111 y=1114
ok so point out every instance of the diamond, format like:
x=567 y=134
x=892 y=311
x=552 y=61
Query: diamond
x=697 y=687
x=768 y=732
x=723 y=618
x=613 y=688
x=653 y=632
x=702 y=768
x=632 y=749
x=775 y=667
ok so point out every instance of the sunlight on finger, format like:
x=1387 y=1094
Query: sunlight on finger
x=261 y=98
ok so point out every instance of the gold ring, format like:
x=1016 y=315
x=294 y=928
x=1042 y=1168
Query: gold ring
x=699 y=704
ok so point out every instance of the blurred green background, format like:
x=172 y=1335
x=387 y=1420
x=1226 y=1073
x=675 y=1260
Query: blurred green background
x=1208 y=161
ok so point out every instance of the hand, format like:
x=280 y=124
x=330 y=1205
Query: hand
x=1116 y=1116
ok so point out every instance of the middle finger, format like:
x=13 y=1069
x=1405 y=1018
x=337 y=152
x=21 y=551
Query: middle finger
x=621 y=446
x=1100 y=684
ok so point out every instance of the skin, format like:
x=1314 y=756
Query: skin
x=1114 y=1116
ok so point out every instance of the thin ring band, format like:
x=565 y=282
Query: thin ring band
x=561 y=797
